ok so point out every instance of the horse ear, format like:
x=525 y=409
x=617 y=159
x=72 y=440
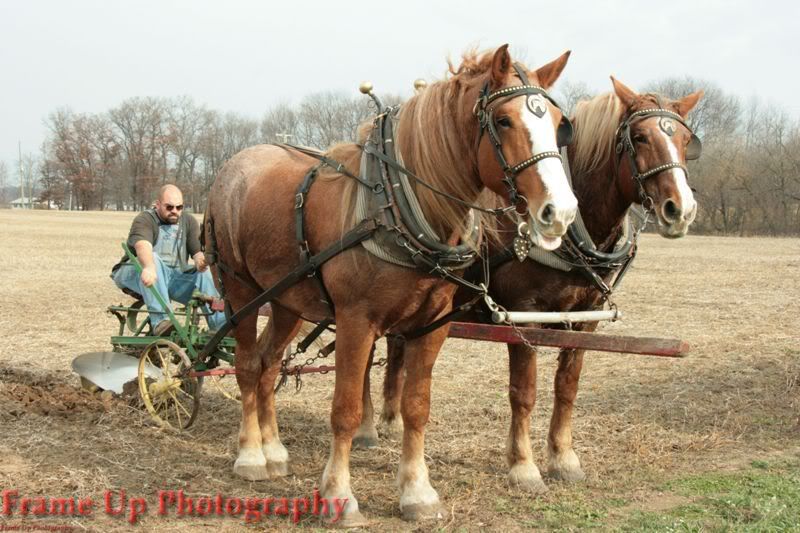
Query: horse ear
x=501 y=64
x=624 y=93
x=688 y=102
x=548 y=74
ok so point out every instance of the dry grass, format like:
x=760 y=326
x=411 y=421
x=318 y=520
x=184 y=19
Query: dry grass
x=639 y=420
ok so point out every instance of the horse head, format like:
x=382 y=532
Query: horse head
x=520 y=131
x=653 y=144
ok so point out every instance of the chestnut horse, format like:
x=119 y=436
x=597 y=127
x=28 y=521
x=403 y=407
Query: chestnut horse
x=603 y=180
x=251 y=221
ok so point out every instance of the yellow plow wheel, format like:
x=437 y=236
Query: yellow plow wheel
x=226 y=384
x=171 y=396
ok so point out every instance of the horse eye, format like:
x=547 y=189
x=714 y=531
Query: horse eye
x=504 y=122
x=640 y=139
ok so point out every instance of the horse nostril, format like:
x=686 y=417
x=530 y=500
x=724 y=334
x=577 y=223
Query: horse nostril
x=671 y=211
x=547 y=214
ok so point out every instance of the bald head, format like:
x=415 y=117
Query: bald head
x=168 y=190
x=169 y=204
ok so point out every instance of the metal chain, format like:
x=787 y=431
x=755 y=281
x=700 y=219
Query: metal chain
x=297 y=370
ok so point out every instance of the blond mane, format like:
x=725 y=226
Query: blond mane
x=596 y=123
x=432 y=140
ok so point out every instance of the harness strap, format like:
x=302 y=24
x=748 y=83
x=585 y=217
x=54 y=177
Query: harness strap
x=303 y=345
x=395 y=165
x=305 y=253
x=332 y=163
x=439 y=322
x=475 y=271
x=516 y=169
x=362 y=231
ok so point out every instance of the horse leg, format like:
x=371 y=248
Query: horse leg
x=282 y=328
x=354 y=340
x=562 y=461
x=250 y=463
x=418 y=499
x=391 y=420
x=523 y=472
x=366 y=434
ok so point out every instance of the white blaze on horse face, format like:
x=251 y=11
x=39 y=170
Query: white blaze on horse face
x=685 y=195
x=543 y=139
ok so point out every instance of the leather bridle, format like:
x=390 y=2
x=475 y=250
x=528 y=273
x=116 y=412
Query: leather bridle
x=537 y=103
x=624 y=143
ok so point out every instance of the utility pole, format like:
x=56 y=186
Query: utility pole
x=21 y=175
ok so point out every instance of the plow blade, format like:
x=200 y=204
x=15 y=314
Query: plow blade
x=107 y=370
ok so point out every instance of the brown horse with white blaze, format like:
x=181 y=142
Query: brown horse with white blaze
x=608 y=177
x=251 y=218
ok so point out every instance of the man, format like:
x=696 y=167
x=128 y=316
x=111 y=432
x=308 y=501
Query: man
x=163 y=241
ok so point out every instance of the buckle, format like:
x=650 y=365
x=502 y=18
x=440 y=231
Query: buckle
x=299 y=198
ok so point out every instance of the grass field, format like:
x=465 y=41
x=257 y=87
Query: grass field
x=710 y=442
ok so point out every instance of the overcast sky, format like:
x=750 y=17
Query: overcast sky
x=245 y=56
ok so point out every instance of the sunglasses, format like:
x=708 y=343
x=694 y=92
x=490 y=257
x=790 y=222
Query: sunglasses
x=171 y=207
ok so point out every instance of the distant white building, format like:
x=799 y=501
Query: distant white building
x=21 y=203
x=25 y=203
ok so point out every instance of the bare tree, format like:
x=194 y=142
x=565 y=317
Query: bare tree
x=748 y=180
x=138 y=124
x=280 y=124
x=330 y=117
x=715 y=117
x=3 y=183
x=570 y=93
x=54 y=186
x=238 y=133
x=186 y=123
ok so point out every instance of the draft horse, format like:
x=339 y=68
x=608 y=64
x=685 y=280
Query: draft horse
x=628 y=149
x=489 y=125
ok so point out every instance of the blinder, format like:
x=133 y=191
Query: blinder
x=564 y=133
x=694 y=149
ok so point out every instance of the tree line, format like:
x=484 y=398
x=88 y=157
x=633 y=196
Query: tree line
x=746 y=182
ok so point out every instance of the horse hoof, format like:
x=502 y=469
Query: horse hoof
x=392 y=429
x=565 y=466
x=421 y=511
x=570 y=475
x=251 y=472
x=277 y=468
x=347 y=521
x=365 y=441
x=531 y=486
x=527 y=478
